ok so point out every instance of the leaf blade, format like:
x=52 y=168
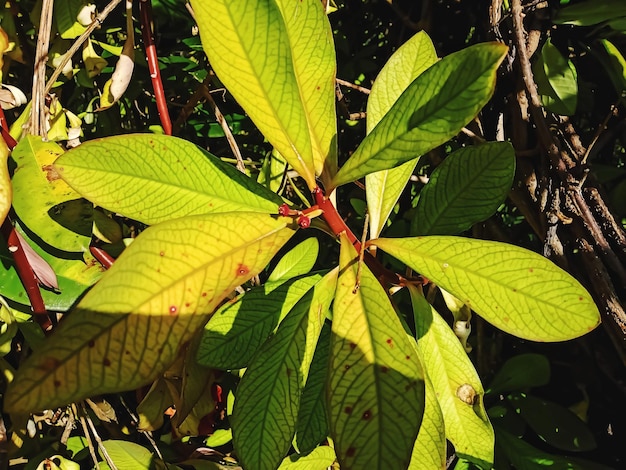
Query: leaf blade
x=431 y=110
x=503 y=283
x=153 y=178
x=99 y=347
x=376 y=387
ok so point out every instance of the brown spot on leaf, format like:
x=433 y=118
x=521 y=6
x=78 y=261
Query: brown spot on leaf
x=389 y=341
x=347 y=367
x=367 y=414
x=49 y=363
x=466 y=394
x=204 y=294
x=348 y=410
x=106 y=362
x=162 y=253
x=91 y=343
x=187 y=304
x=530 y=270
x=173 y=310
x=352 y=345
x=288 y=372
x=407 y=357
x=57 y=383
x=350 y=452
x=581 y=299
x=384 y=369
x=51 y=173
x=242 y=270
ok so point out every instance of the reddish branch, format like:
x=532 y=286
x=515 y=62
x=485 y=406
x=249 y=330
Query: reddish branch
x=145 y=10
x=105 y=259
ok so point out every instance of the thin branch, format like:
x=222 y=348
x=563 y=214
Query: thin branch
x=37 y=121
x=96 y=436
x=92 y=449
x=353 y=86
x=96 y=23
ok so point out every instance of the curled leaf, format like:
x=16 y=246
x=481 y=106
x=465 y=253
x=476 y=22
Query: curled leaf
x=43 y=271
x=12 y=97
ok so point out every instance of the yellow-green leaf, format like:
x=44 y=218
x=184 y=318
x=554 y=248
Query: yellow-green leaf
x=516 y=290
x=299 y=260
x=456 y=383
x=125 y=454
x=429 y=451
x=161 y=290
x=277 y=59
x=432 y=110
x=153 y=178
x=376 y=385
x=268 y=396
x=405 y=65
x=6 y=191
x=44 y=202
x=319 y=459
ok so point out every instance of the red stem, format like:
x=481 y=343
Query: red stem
x=26 y=275
x=105 y=259
x=145 y=11
x=4 y=131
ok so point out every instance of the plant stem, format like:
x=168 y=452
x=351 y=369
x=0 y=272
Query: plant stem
x=145 y=10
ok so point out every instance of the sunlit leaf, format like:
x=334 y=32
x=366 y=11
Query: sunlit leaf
x=614 y=65
x=429 y=451
x=44 y=202
x=553 y=423
x=433 y=109
x=376 y=385
x=299 y=260
x=519 y=372
x=277 y=59
x=132 y=324
x=320 y=458
x=125 y=454
x=312 y=424
x=404 y=66
x=468 y=187
x=152 y=178
x=268 y=396
x=455 y=381
x=237 y=329
x=66 y=16
x=6 y=191
x=516 y=290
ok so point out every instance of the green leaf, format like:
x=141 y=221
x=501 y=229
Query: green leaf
x=312 y=424
x=519 y=372
x=46 y=204
x=160 y=291
x=277 y=59
x=433 y=109
x=268 y=396
x=553 y=423
x=152 y=408
x=6 y=190
x=319 y=459
x=614 y=66
x=468 y=187
x=153 y=178
x=556 y=79
x=376 y=384
x=299 y=260
x=126 y=454
x=514 y=289
x=75 y=276
x=589 y=13
x=65 y=16
x=526 y=457
x=237 y=329
x=429 y=451
x=456 y=383
x=404 y=66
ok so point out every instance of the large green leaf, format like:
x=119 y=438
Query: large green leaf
x=433 y=109
x=312 y=424
x=376 y=385
x=466 y=188
x=614 y=65
x=277 y=59
x=516 y=290
x=556 y=79
x=405 y=65
x=319 y=459
x=429 y=451
x=521 y=372
x=73 y=275
x=159 y=292
x=268 y=396
x=153 y=178
x=456 y=383
x=45 y=203
x=126 y=454
x=234 y=334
